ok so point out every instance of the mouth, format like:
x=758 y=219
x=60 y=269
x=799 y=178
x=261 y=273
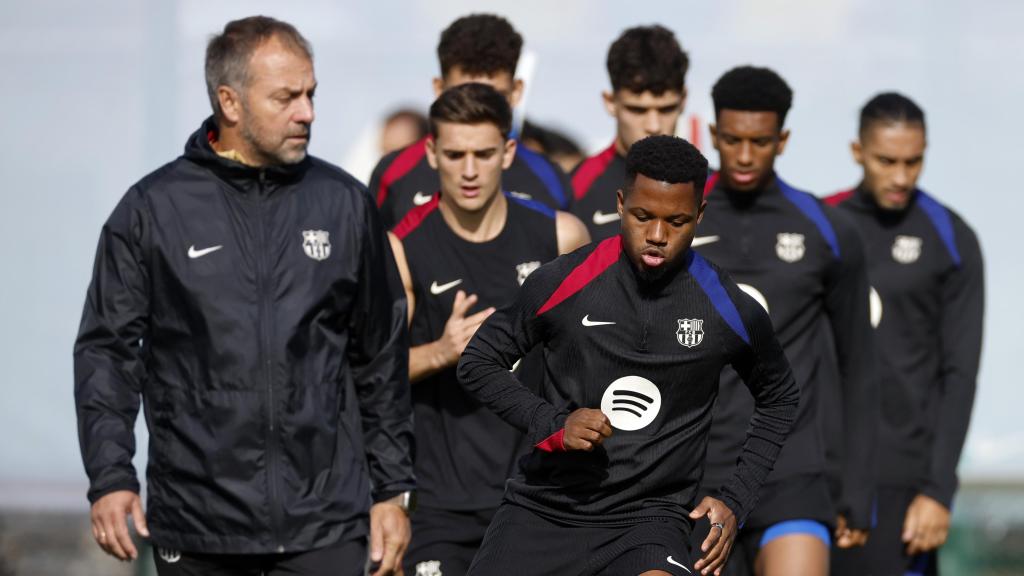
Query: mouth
x=470 y=191
x=652 y=258
x=743 y=178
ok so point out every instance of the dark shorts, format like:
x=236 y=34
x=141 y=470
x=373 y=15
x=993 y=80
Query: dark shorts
x=346 y=558
x=520 y=542
x=445 y=541
x=885 y=551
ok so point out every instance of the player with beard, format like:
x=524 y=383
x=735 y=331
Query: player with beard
x=635 y=332
x=803 y=261
x=460 y=256
x=927 y=276
x=647 y=69
x=480 y=48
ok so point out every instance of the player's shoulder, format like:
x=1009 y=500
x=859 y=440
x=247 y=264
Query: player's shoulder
x=413 y=224
x=735 y=306
x=951 y=227
x=588 y=171
x=839 y=197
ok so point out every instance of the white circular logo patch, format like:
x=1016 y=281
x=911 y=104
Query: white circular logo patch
x=631 y=402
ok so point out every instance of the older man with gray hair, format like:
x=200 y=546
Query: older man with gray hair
x=246 y=291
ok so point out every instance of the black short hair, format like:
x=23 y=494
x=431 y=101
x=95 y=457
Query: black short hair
x=471 y=103
x=647 y=58
x=480 y=44
x=752 y=89
x=666 y=159
x=890 y=108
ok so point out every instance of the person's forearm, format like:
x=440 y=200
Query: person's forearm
x=427 y=360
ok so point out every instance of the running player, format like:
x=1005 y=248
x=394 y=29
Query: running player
x=478 y=48
x=635 y=331
x=926 y=271
x=647 y=69
x=471 y=240
x=805 y=264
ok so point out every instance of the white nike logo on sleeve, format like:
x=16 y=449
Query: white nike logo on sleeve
x=671 y=561
x=193 y=253
x=702 y=240
x=420 y=198
x=600 y=218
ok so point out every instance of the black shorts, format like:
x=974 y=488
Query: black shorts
x=885 y=551
x=521 y=542
x=445 y=541
x=346 y=558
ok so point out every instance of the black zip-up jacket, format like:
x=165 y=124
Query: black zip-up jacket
x=260 y=316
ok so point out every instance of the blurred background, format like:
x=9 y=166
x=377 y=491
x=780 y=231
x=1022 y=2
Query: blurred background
x=97 y=94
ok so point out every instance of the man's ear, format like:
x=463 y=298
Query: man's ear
x=438 y=87
x=230 y=104
x=857 y=151
x=700 y=211
x=713 y=130
x=620 y=201
x=610 y=105
x=783 y=138
x=517 y=92
x=431 y=152
x=509 y=154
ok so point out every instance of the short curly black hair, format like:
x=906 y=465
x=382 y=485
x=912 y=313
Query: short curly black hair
x=666 y=159
x=471 y=103
x=480 y=44
x=752 y=89
x=890 y=108
x=647 y=58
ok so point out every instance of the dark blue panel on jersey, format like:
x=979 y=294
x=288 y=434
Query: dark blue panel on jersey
x=544 y=171
x=533 y=205
x=706 y=276
x=939 y=216
x=809 y=206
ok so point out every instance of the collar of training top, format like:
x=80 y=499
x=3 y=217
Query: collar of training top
x=198 y=148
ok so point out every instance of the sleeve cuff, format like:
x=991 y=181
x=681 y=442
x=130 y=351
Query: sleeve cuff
x=553 y=443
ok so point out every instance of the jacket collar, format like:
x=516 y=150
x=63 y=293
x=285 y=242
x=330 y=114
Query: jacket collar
x=246 y=178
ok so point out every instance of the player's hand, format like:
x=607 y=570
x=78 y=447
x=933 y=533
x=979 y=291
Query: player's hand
x=586 y=429
x=926 y=525
x=459 y=329
x=847 y=537
x=389 y=537
x=716 y=547
x=110 y=525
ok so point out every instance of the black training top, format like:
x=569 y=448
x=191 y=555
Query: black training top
x=649 y=356
x=595 y=182
x=804 y=262
x=464 y=452
x=928 y=302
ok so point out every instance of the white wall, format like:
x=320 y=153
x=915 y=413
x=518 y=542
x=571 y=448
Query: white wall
x=97 y=94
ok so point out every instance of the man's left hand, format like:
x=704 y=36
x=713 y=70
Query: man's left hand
x=926 y=525
x=716 y=547
x=389 y=537
x=847 y=537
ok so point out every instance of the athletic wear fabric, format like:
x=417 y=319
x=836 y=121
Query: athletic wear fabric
x=595 y=183
x=260 y=315
x=444 y=542
x=649 y=355
x=804 y=261
x=346 y=558
x=404 y=179
x=927 y=273
x=465 y=452
x=520 y=541
x=885 y=552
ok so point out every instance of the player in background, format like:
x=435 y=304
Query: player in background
x=804 y=262
x=460 y=256
x=480 y=48
x=647 y=70
x=927 y=307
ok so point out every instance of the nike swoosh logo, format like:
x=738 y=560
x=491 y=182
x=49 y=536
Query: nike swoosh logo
x=420 y=198
x=600 y=218
x=588 y=322
x=521 y=195
x=671 y=561
x=436 y=288
x=702 y=240
x=193 y=253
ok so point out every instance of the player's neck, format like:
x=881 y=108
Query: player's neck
x=480 y=226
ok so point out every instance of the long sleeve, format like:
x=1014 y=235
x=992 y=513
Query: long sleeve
x=766 y=372
x=963 y=299
x=379 y=355
x=110 y=368
x=485 y=367
x=847 y=306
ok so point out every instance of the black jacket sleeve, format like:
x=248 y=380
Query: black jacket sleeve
x=378 y=355
x=505 y=337
x=847 y=304
x=765 y=370
x=963 y=301
x=110 y=368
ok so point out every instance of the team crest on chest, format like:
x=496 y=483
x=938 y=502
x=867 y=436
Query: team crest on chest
x=906 y=249
x=790 y=246
x=690 y=332
x=316 y=244
x=524 y=270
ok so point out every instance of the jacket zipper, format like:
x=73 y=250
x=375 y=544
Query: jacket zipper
x=267 y=362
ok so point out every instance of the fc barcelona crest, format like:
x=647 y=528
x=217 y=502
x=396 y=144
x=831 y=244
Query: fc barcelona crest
x=790 y=247
x=690 y=332
x=316 y=244
x=524 y=270
x=906 y=249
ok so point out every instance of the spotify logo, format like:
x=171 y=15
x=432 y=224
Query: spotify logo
x=631 y=402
